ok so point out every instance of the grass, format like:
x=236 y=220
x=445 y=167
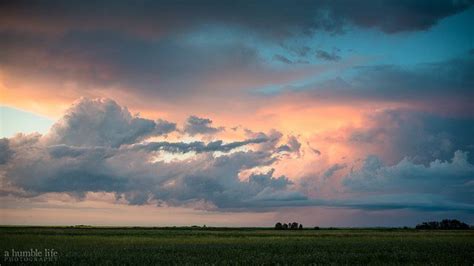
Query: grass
x=243 y=246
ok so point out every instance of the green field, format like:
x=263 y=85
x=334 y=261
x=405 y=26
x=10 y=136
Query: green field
x=142 y=246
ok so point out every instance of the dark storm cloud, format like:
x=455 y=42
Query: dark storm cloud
x=280 y=18
x=395 y=16
x=142 y=44
x=166 y=67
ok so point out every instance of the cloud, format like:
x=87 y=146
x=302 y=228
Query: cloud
x=163 y=127
x=196 y=146
x=217 y=175
x=293 y=146
x=321 y=54
x=5 y=152
x=422 y=136
x=273 y=139
x=196 y=125
x=168 y=67
x=439 y=185
x=63 y=150
x=98 y=147
x=444 y=87
x=274 y=20
x=397 y=16
x=316 y=151
x=102 y=122
x=446 y=78
x=127 y=49
x=282 y=59
x=301 y=51
x=204 y=49
x=334 y=168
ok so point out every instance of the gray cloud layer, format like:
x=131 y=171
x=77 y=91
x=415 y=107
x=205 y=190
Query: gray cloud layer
x=142 y=45
x=421 y=136
x=276 y=19
x=440 y=185
x=444 y=87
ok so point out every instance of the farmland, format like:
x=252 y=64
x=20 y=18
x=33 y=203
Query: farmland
x=112 y=246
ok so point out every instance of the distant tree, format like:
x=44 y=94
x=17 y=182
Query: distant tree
x=453 y=224
x=278 y=226
x=428 y=225
x=294 y=226
x=445 y=224
x=434 y=225
x=316 y=228
x=290 y=226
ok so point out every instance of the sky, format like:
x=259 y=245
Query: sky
x=236 y=113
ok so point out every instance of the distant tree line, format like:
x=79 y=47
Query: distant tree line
x=445 y=224
x=288 y=226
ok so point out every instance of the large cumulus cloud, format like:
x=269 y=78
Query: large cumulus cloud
x=99 y=146
x=102 y=122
